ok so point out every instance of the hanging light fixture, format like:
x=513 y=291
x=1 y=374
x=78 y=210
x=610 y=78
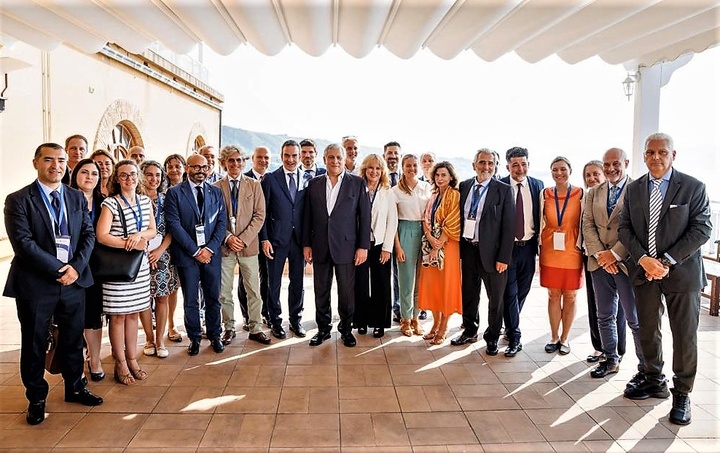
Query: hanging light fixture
x=629 y=84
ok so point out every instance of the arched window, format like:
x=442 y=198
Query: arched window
x=199 y=143
x=124 y=136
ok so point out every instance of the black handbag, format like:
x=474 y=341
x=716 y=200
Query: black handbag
x=112 y=264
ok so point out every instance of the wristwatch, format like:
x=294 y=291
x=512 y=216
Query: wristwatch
x=666 y=262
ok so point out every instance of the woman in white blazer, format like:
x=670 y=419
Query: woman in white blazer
x=373 y=278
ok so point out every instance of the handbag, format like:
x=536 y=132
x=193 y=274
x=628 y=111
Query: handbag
x=112 y=264
x=52 y=360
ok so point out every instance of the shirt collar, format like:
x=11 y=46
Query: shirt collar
x=48 y=190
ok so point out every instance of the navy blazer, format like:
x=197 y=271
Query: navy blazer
x=34 y=268
x=337 y=236
x=283 y=216
x=181 y=216
x=684 y=226
x=497 y=222
x=536 y=186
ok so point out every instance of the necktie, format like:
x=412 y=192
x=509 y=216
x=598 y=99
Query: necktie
x=61 y=228
x=519 y=215
x=200 y=200
x=307 y=177
x=234 y=196
x=261 y=178
x=612 y=199
x=393 y=179
x=292 y=186
x=474 y=202
x=655 y=205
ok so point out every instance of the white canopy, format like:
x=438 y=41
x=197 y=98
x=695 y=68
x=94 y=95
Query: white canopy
x=633 y=32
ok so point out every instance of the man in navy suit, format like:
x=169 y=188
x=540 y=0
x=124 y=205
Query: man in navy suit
x=281 y=238
x=51 y=233
x=526 y=191
x=486 y=247
x=336 y=238
x=308 y=153
x=195 y=215
x=664 y=223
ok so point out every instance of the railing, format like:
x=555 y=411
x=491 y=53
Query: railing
x=710 y=248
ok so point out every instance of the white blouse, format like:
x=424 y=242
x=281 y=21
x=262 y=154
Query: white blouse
x=412 y=206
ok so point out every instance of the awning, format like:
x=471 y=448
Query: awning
x=633 y=32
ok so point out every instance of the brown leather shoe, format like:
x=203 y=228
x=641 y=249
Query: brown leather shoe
x=227 y=337
x=260 y=337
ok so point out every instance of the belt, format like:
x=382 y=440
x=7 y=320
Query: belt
x=521 y=243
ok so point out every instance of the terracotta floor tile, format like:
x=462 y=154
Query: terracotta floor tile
x=257 y=400
x=257 y=375
x=304 y=430
x=306 y=400
x=239 y=431
x=412 y=375
x=213 y=376
x=311 y=376
x=530 y=447
x=183 y=399
x=303 y=354
x=104 y=430
x=504 y=427
x=368 y=399
x=361 y=356
x=135 y=398
x=367 y=375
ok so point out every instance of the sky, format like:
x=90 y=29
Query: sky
x=455 y=107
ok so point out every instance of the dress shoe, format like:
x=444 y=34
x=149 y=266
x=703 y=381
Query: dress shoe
x=278 y=332
x=463 y=339
x=97 y=377
x=552 y=347
x=319 y=337
x=680 y=413
x=348 y=340
x=217 y=345
x=260 y=337
x=651 y=388
x=246 y=327
x=84 y=397
x=362 y=330
x=638 y=379
x=492 y=348
x=194 y=347
x=228 y=336
x=396 y=317
x=298 y=330
x=378 y=332
x=423 y=315
x=564 y=348
x=595 y=357
x=35 y=413
x=513 y=349
x=604 y=368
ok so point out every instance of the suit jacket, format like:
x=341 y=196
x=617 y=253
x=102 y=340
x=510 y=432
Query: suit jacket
x=181 y=216
x=283 y=216
x=684 y=226
x=34 y=267
x=600 y=231
x=497 y=222
x=536 y=186
x=384 y=219
x=250 y=213
x=337 y=236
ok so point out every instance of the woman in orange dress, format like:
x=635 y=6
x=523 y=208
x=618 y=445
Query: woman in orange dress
x=439 y=280
x=561 y=264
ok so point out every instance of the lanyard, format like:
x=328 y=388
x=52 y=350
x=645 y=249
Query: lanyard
x=372 y=197
x=475 y=203
x=561 y=214
x=56 y=217
x=158 y=210
x=435 y=206
x=137 y=215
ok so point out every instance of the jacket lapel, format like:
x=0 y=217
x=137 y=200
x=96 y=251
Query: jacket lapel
x=672 y=190
x=37 y=200
x=187 y=190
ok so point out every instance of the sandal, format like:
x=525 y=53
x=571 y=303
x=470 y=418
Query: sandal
x=174 y=335
x=405 y=327
x=439 y=338
x=149 y=348
x=416 y=327
x=124 y=379
x=138 y=373
x=430 y=335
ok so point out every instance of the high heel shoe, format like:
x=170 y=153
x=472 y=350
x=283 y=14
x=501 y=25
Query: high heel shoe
x=430 y=335
x=405 y=327
x=138 y=373
x=416 y=327
x=124 y=379
x=439 y=338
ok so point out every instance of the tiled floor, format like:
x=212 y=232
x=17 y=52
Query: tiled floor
x=397 y=394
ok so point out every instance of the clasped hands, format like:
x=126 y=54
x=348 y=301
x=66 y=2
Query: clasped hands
x=654 y=269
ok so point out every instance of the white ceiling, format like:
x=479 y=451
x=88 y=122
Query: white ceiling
x=633 y=32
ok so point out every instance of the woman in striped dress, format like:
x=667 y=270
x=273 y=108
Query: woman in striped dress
x=123 y=301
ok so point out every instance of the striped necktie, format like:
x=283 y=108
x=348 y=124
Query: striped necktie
x=655 y=205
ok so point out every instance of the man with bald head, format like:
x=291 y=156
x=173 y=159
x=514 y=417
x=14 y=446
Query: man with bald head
x=137 y=153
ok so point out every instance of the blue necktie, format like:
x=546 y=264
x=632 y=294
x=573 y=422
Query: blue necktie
x=292 y=186
x=61 y=228
x=612 y=199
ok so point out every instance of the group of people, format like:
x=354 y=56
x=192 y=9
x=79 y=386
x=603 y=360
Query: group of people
x=401 y=234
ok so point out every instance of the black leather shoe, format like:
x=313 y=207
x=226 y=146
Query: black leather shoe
x=513 y=349
x=348 y=340
x=97 y=377
x=422 y=316
x=278 y=332
x=463 y=339
x=319 y=337
x=362 y=330
x=552 y=347
x=84 y=397
x=35 y=413
x=217 y=345
x=194 y=347
x=492 y=348
x=298 y=330
x=378 y=332
x=396 y=317
x=260 y=337
x=592 y=358
x=680 y=413
x=638 y=379
x=651 y=388
x=604 y=368
x=228 y=336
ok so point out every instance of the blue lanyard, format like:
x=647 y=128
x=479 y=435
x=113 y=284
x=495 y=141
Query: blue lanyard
x=372 y=198
x=435 y=206
x=137 y=215
x=475 y=203
x=55 y=217
x=561 y=214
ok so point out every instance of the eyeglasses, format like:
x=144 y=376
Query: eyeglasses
x=199 y=167
x=236 y=160
x=125 y=176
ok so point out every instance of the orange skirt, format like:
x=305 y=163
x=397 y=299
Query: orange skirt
x=440 y=290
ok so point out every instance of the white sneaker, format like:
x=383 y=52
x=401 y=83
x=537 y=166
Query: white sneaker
x=162 y=352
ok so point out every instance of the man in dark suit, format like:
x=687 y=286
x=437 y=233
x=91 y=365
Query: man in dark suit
x=336 y=238
x=664 y=223
x=76 y=148
x=51 y=233
x=391 y=154
x=195 y=215
x=485 y=250
x=281 y=238
x=526 y=191
x=308 y=153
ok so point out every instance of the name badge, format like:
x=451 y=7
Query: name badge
x=62 y=248
x=559 y=241
x=200 y=235
x=469 y=229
